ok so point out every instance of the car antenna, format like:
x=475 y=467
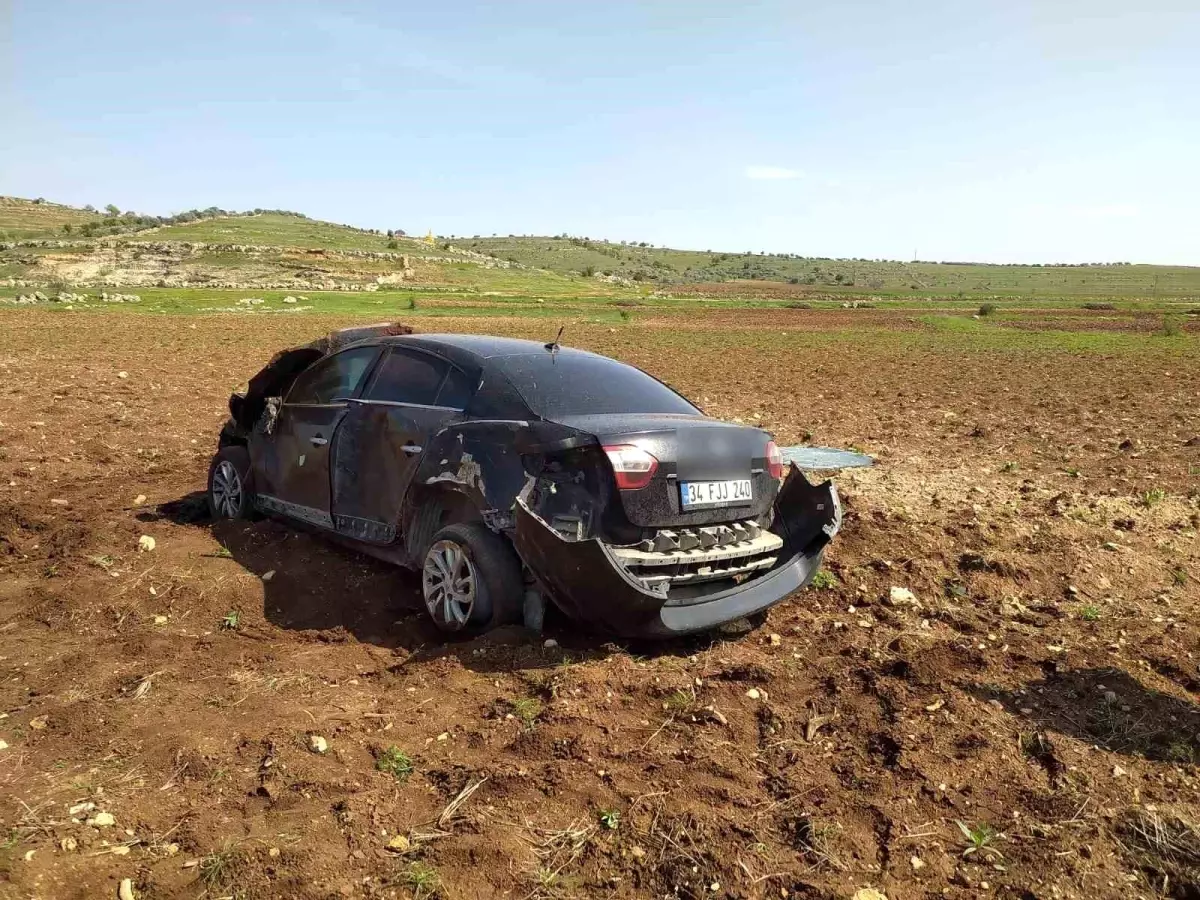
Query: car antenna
x=553 y=345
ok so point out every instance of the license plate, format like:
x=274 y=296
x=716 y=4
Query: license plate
x=715 y=493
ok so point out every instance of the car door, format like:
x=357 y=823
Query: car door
x=297 y=481
x=411 y=396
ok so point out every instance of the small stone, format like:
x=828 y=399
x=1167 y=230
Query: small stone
x=754 y=694
x=125 y=891
x=267 y=576
x=715 y=886
x=145 y=544
x=935 y=705
x=102 y=820
x=638 y=853
x=139 y=499
x=917 y=863
x=80 y=808
x=160 y=620
x=67 y=844
x=550 y=643
x=902 y=596
x=1026 y=711
x=776 y=640
x=399 y=844
x=29 y=855
x=171 y=849
x=317 y=744
x=57 y=502
x=39 y=723
x=3 y=745
x=868 y=894
x=1110 y=697
x=1118 y=772
x=273 y=852
x=120 y=850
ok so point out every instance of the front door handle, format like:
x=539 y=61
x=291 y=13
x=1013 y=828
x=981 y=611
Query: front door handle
x=318 y=441
x=411 y=449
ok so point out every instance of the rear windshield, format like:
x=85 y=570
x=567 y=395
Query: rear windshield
x=576 y=384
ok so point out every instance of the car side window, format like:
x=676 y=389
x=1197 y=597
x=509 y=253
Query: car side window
x=332 y=378
x=406 y=377
x=456 y=390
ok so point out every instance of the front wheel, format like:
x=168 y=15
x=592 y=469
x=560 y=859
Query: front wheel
x=471 y=580
x=229 y=490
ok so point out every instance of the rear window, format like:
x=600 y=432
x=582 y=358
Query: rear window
x=408 y=378
x=573 y=384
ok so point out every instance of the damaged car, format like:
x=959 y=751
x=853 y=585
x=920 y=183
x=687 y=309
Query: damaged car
x=510 y=473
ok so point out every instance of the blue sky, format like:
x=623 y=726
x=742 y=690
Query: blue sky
x=1023 y=130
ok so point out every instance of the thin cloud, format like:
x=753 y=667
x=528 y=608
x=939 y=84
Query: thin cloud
x=771 y=173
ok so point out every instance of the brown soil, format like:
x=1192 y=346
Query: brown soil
x=1045 y=688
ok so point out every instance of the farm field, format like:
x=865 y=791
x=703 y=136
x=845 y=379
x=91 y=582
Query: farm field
x=1028 y=725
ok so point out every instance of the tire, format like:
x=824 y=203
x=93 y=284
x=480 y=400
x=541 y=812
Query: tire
x=484 y=578
x=230 y=489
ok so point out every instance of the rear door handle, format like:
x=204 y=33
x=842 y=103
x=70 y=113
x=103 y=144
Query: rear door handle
x=318 y=441
x=411 y=449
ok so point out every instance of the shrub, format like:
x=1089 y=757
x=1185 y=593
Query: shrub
x=797 y=304
x=1171 y=326
x=987 y=309
x=1100 y=306
x=392 y=245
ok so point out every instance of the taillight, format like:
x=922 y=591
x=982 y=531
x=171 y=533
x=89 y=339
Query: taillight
x=633 y=466
x=774 y=461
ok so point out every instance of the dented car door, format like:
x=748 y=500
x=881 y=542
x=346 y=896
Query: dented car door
x=411 y=396
x=294 y=467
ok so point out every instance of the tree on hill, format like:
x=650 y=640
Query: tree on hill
x=112 y=209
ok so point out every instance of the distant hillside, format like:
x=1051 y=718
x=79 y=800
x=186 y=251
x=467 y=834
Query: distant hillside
x=858 y=276
x=530 y=260
x=274 y=230
x=29 y=219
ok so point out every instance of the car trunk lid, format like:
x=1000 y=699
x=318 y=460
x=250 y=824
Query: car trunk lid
x=693 y=449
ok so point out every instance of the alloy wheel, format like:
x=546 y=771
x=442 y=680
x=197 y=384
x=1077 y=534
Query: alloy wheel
x=227 y=489
x=450 y=584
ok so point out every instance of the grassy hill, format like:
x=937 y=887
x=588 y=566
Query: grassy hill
x=316 y=255
x=270 y=230
x=22 y=220
x=852 y=276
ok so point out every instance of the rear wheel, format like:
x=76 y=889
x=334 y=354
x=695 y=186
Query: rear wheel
x=471 y=580
x=229 y=489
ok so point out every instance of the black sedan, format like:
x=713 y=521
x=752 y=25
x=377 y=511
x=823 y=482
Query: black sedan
x=509 y=472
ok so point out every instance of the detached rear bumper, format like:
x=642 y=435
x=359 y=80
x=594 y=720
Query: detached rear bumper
x=588 y=580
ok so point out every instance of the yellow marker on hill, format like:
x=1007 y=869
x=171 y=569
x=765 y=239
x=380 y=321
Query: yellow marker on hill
x=429 y=237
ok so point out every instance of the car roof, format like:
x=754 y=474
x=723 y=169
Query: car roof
x=482 y=346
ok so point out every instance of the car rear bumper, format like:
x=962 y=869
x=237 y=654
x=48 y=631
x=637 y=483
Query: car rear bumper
x=587 y=579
